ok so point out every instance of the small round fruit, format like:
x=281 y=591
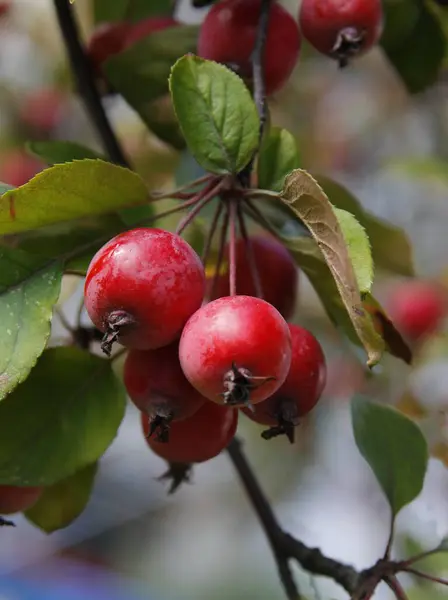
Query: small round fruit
x=341 y=29
x=14 y=499
x=142 y=29
x=417 y=308
x=142 y=287
x=197 y=439
x=158 y=387
x=300 y=391
x=236 y=350
x=43 y=109
x=17 y=168
x=276 y=270
x=107 y=40
x=228 y=35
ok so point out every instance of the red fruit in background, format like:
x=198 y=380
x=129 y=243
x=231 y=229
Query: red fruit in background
x=236 y=350
x=142 y=287
x=109 y=39
x=276 y=270
x=341 y=29
x=17 y=168
x=197 y=439
x=156 y=384
x=301 y=389
x=5 y=7
x=43 y=109
x=417 y=308
x=228 y=34
x=15 y=499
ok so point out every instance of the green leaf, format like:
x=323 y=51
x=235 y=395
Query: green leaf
x=358 y=245
x=63 y=502
x=216 y=113
x=29 y=288
x=309 y=202
x=390 y=247
x=55 y=152
x=129 y=10
x=70 y=191
x=61 y=419
x=420 y=53
x=278 y=156
x=394 y=448
x=400 y=19
x=140 y=74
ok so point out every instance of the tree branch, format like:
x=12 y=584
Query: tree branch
x=258 y=63
x=86 y=82
x=284 y=546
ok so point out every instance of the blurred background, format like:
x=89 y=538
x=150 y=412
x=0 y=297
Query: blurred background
x=360 y=127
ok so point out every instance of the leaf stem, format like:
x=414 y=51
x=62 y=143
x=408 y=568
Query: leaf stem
x=232 y=245
x=255 y=273
x=396 y=587
x=85 y=80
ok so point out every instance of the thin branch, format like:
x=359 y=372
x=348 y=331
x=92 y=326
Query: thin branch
x=232 y=246
x=426 y=576
x=211 y=234
x=266 y=516
x=396 y=587
x=86 y=81
x=255 y=272
x=258 y=55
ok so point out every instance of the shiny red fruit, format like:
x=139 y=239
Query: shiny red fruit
x=112 y=38
x=276 y=270
x=158 y=387
x=228 y=36
x=142 y=287
x=301 y=389
x=43 y=109
x=197 y=439
x=417 y=308
x=236 y=350
x=341 y=29
x=17 y=168
x=15 y=499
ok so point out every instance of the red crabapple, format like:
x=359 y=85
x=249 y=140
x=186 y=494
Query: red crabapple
x=43 y=109
x=417 y=307
x=142 y=29
x=276 y=270
x=341 y=29
x=228 y=34
x=142 y=287
x=15 y=499
x=5 y=7
x=300 y=391
x=197 y=439
x=17 y=168
x=156 y=384
x=236 y=350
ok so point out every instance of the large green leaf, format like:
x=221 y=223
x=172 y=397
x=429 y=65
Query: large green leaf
x=129 y=10
x=303 y=195
x=216 y=113
x=394 y=447
x=414 y=42
x=70 y=191
x=63 y=502
x=29 y=288
x=278 y=156
x=359 y=250
x=140 y=74
x=54 y=152
x=60 y=419
x=390 y=247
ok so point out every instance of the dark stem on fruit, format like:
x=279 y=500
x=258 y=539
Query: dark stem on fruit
x=177 y=474
x=117 y=320
x=198 y=203
x=85 y=80
x=160 y=425
x=238 y=383
x=221 y=247
x=6 y=523
x=255 y=273
x=232 y=207
x=211 y=233
x=348 y=44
